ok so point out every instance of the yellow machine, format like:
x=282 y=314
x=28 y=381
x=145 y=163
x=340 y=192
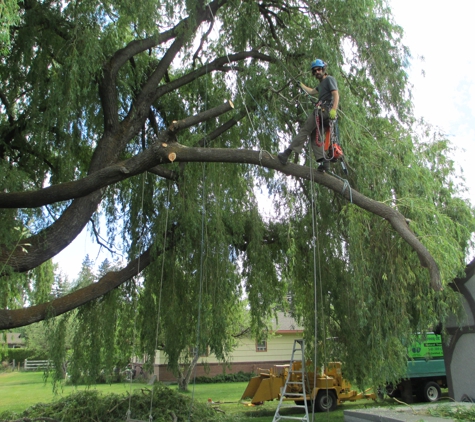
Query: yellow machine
x=327 y=390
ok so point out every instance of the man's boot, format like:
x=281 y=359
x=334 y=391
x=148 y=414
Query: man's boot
x=324 y=166
x=284 y=156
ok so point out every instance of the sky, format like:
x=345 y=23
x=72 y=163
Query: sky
x=442 y=33
x=442 y=71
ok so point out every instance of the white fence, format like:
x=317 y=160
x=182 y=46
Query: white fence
x=35 y=365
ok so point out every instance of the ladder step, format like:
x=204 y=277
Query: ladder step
x=291 y=406
x=291 y=418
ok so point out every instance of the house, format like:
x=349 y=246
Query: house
x=13 y=340
x=248 y=356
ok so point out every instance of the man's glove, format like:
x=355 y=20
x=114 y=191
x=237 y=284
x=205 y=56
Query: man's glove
x=332 y=114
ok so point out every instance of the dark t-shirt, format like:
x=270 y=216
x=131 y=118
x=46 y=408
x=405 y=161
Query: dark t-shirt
x=325 y=89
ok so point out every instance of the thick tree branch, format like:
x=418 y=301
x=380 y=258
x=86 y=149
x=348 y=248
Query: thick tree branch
x=108 y=175
x=16 y=318
x=201 y=117
x=215 y=65
x=138 y=46
x=395 y=218
x=21 y=317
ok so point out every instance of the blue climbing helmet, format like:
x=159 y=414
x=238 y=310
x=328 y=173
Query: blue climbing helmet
x=318 y=63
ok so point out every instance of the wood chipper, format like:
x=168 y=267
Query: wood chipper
x=326 y=390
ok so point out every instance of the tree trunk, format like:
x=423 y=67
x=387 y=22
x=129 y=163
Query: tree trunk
x=184 y=378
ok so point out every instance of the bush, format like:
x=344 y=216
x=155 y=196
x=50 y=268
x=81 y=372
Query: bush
x=21 y=354
x=237 y=377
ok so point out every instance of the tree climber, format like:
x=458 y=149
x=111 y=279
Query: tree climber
x=325 y=110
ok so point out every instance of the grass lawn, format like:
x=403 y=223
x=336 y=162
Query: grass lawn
x=20 y=390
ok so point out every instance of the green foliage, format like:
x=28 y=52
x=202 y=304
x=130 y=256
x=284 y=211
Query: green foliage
x=236 y=377
x=457 y=413
x=341 y=271
x=20 y=354
x=90 y=404
x=8 y=18
x=102 y=334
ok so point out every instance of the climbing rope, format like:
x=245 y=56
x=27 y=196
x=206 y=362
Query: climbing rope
x=200 y=294
x=237 y=84
x=202 y=254
x=157 y=328
x=315 y=302
x=134 y=338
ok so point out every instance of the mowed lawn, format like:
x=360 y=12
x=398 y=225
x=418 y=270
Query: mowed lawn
x=20 y=390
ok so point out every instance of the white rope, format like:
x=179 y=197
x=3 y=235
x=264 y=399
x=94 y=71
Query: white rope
x=200 y=296
x=129 y=412
x=160 y=297
x=314 y=241
x=237 y=83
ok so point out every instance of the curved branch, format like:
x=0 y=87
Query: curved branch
x=110 y=174
x=160 y=153
x=21 y=317
x=265 y=159
x=217 y=64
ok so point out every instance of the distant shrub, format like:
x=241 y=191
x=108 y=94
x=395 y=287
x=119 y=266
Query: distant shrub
x=236 y=377
x=19 y=355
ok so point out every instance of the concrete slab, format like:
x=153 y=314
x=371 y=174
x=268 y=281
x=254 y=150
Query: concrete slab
x=414 y=413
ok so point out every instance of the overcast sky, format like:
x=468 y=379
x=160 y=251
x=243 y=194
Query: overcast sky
x=442 y=33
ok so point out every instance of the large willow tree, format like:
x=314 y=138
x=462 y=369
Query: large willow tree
x=163 y=119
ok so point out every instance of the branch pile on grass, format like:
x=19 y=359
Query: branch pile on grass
x=167 y=405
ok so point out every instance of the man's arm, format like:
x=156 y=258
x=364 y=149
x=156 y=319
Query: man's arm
x=308 y=90
x=336 y=99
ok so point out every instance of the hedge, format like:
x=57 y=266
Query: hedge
x=237 y=377
x=21 y=354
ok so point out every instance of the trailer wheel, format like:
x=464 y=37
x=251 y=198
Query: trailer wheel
x=326 y=401
x=431 y=391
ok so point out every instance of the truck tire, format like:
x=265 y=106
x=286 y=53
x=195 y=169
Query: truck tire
x=326 y=401
x=431 y=392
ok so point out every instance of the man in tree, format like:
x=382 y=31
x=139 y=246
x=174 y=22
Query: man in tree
x=325 y=110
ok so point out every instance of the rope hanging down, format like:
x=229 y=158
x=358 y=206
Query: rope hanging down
x=202 y=253
x=332 y=150
x=129 y=410
x=157 y=329
x=261 y=151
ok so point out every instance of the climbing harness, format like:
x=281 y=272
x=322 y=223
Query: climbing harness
x=328 y=138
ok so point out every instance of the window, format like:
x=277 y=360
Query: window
x=261 y=346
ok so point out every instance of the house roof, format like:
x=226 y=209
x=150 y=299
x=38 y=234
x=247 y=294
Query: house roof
x=12 y=338
x=285 y=324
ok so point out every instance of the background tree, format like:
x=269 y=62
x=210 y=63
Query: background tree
x=122 y=111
